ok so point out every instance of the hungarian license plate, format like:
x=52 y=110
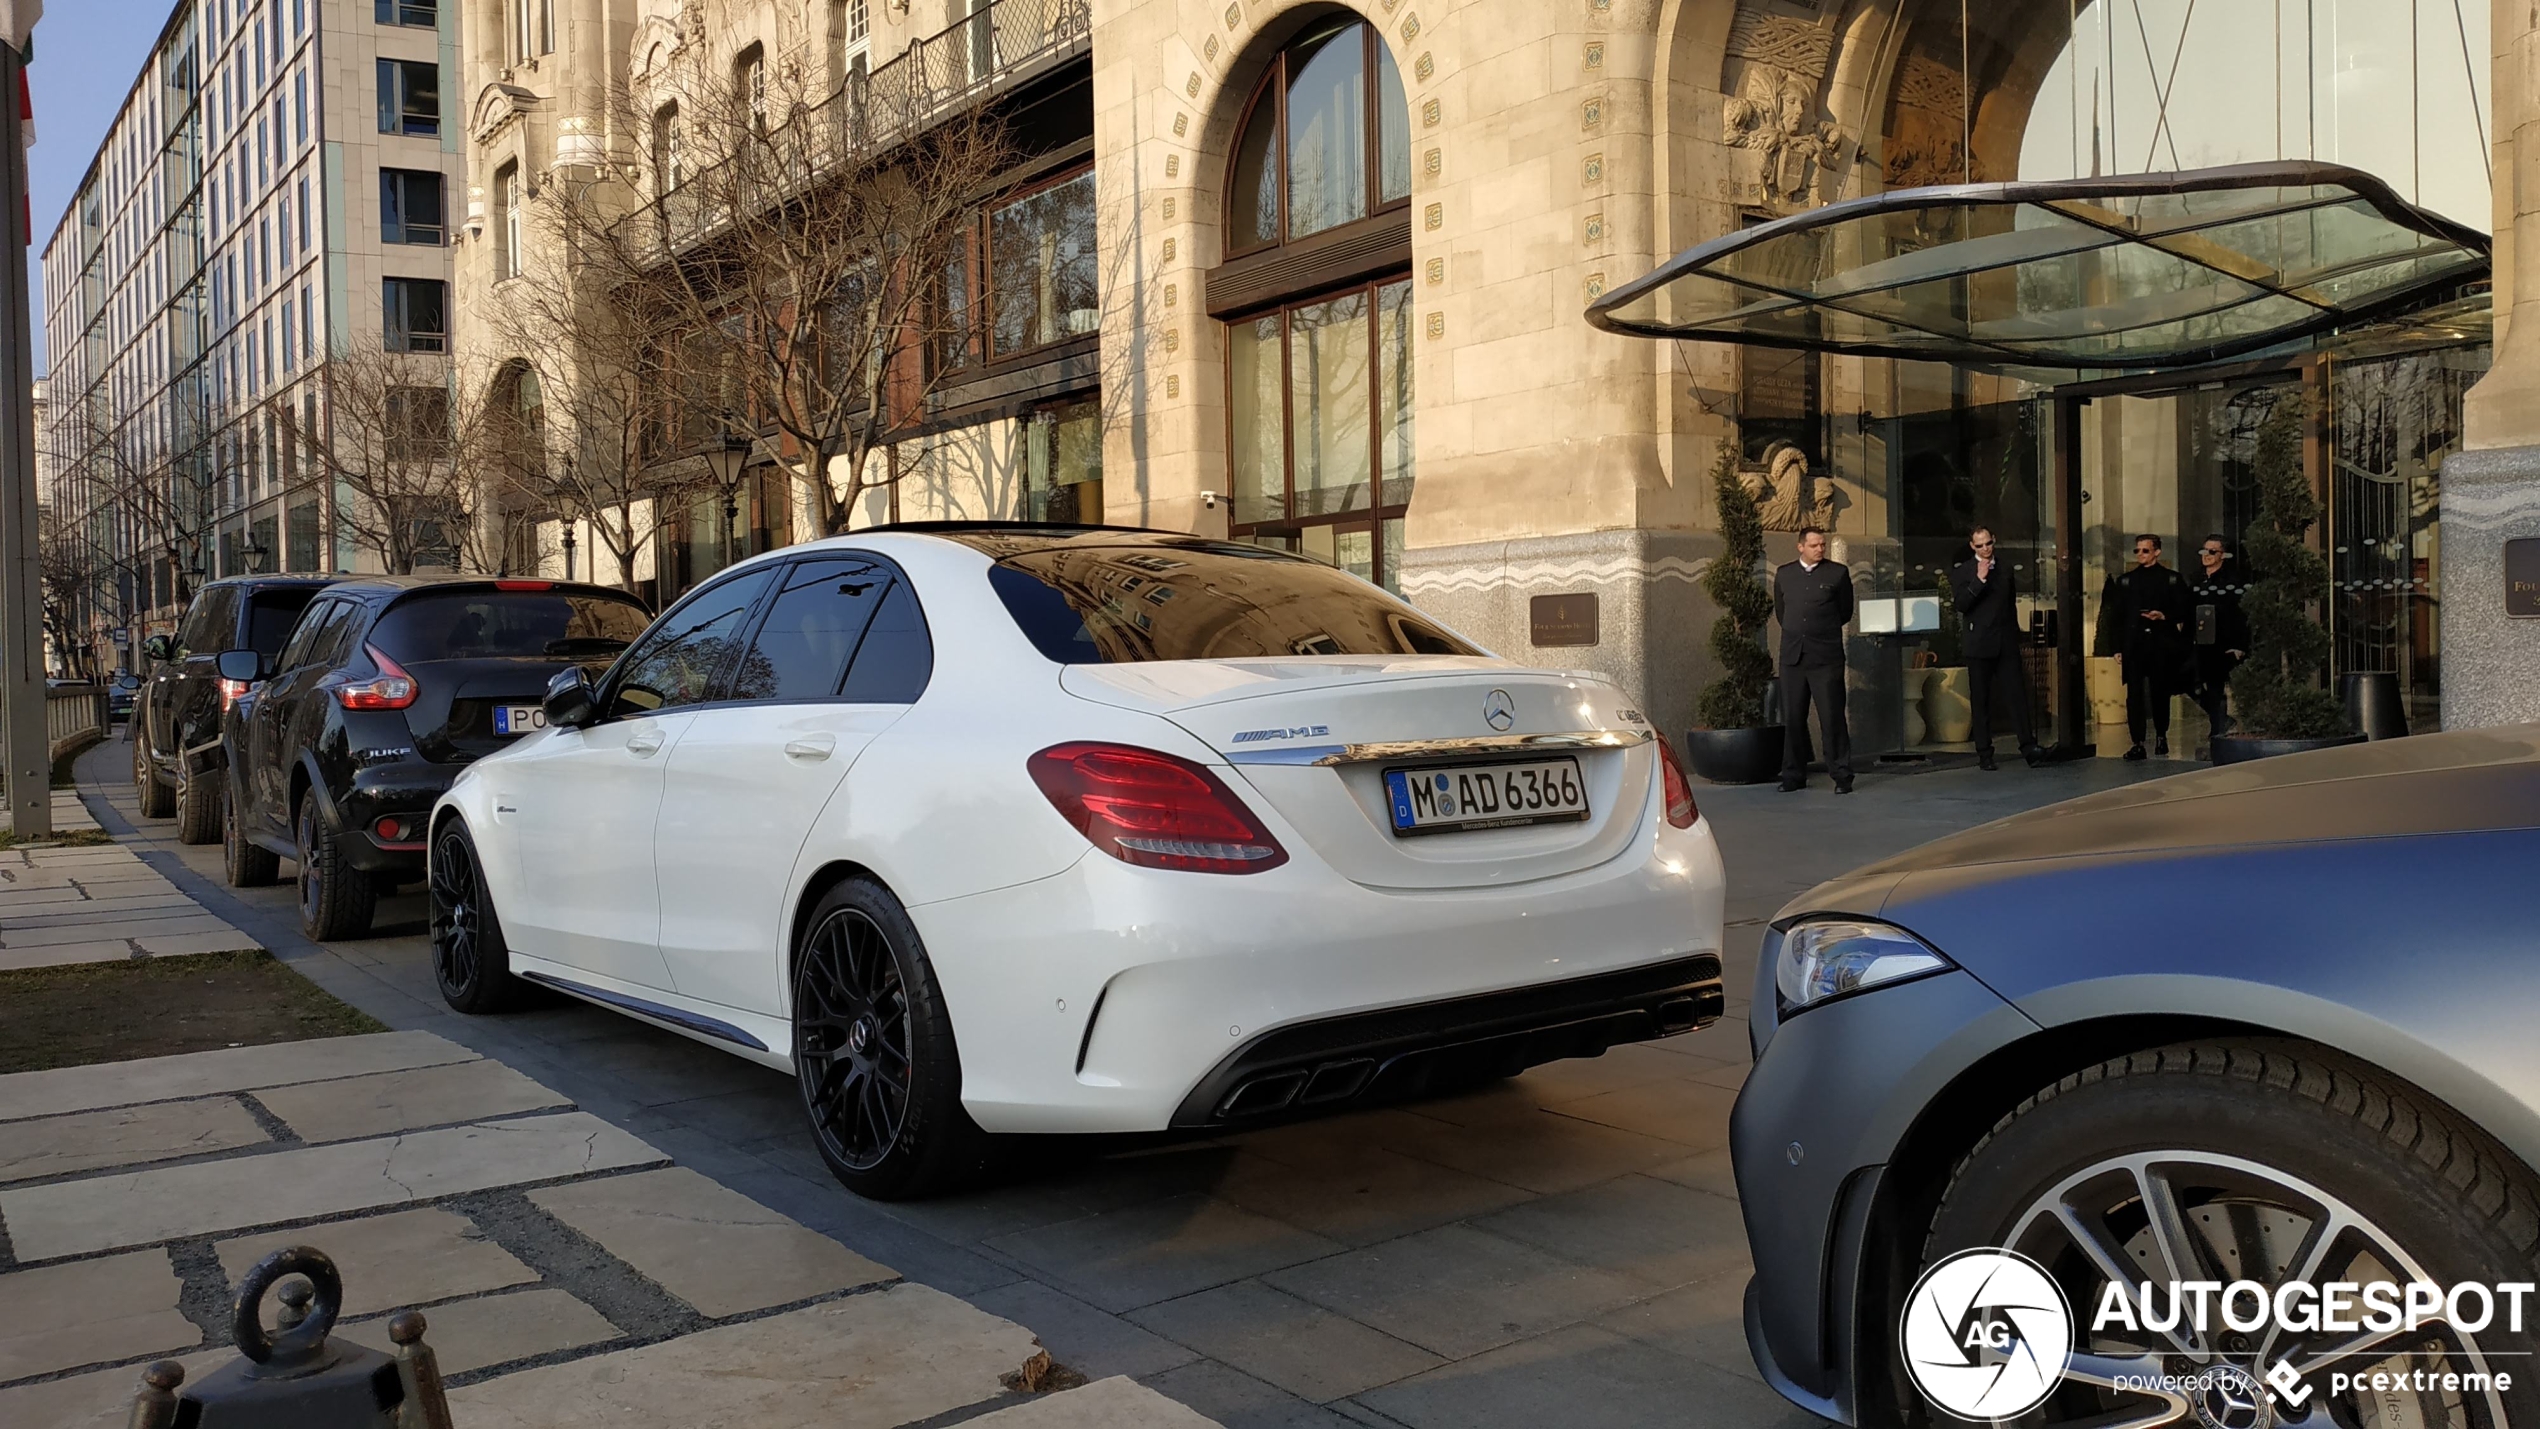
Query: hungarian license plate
x=518 y=719
x=1485 y=796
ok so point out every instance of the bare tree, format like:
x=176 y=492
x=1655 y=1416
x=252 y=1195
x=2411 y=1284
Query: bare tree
x=811 y=246
x=122 y=513
x=406 y=456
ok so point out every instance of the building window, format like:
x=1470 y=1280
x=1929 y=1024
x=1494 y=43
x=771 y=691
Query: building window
x=288 y=349
x=666 y=148
x=507 y=204
x=409 y=98
x=533 y=29
x=1320 y=427
x=415 y=315
x=423 y=13
x=1043 y=281
x=1062 y=464
x=410 y=207
x=546 y=27
x=300 y=109
x=749 y=80
x=1308 y=158
x=304 y=213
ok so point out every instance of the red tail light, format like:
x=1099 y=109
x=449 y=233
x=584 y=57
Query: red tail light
x=394 y=689
x=1154 y=810
x=524 y=585
x=230 y=690
x=1680 y=809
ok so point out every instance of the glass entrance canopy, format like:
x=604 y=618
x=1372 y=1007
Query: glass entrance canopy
x=2138 y=271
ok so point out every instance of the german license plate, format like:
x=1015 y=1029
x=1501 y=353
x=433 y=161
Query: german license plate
x=1485 y=796
x=518 y=719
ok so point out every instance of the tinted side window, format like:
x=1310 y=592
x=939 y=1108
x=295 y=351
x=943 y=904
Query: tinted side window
x=207 y=624
x=896 y=657
x=306 y=635
x=676 y=663
x=509 y=625
x=802 y=647
x=334 y=645
x=271 y=615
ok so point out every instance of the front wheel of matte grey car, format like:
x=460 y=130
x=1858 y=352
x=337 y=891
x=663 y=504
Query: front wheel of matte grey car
x=2252 y=1161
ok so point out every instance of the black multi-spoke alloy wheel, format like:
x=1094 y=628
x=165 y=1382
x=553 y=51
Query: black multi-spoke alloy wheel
x=245 y=863
x=336 y=899
x=469 y=957
x=157 y=799
x=198 y=805
x=874 y=1052
x=2263 y=1161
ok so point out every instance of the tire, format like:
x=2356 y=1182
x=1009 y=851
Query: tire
x=198 y=808
x=2255 y=1142
x=157 y=799
x=470 y=960
x=336 y=898
x=244 y=863
x=866 y=1004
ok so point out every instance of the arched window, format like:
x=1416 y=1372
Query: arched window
x=1326 y=141
x=1318 y=350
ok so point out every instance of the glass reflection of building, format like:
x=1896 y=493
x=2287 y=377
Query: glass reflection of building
x=1921 y=452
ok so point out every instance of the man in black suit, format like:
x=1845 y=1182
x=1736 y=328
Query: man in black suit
x=1812 y=599
x=1988 y=596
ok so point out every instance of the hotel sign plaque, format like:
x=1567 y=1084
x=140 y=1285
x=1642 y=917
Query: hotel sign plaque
x=2522 y=578
x=1568 y=619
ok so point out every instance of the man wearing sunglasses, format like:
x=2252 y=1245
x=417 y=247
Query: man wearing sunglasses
x=2221 y=630
x=1988 y=597
x=2145 y=615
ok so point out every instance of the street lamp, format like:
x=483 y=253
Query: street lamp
x=255 y=551
x=724 y=456
x=568 y=549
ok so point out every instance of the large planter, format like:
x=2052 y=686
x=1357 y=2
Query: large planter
x=1949 y=712
x=2239 y=749
x=1914 y=732
x=1736 y=756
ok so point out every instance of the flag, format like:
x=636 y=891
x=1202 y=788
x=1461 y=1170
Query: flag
x=17 y=23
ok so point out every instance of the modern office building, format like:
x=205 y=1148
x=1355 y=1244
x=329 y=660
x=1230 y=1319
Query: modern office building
x=271 y=193
x=1320 y=277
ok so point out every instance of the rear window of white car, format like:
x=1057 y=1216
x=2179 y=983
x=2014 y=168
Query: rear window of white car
x=1098 y=605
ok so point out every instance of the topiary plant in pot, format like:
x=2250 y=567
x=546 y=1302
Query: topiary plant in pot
x=2281 y=708
x=1734 y=745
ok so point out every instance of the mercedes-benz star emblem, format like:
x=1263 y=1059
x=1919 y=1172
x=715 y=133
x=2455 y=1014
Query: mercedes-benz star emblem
x=2232 y=1398
x=1498 y=710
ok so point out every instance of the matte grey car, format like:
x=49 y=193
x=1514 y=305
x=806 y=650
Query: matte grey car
x=2277 y=1021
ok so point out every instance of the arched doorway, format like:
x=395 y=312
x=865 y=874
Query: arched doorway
x=1315 y=296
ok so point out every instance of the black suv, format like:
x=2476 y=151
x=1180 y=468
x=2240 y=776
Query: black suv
x=176 y=742
x=386 y=688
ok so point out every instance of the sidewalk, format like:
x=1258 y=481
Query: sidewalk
x=571 y=1273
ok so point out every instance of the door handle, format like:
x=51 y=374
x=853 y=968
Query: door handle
x=644 y=746
x=811 y=747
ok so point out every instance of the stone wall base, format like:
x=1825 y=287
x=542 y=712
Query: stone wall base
x=2491 y=661
x=1654 y=621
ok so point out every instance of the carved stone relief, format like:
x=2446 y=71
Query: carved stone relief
x=1789 y=149
x=1786 y=495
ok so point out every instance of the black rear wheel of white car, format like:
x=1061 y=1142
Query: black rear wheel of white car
x=2265 y=1163
x=874 y=1052
x=470 y=960
x=157 y=800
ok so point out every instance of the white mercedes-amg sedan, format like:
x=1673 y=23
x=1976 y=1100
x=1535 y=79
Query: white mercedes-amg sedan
x=995 y=829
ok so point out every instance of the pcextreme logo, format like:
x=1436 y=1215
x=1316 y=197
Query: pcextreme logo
x=1987 y=1334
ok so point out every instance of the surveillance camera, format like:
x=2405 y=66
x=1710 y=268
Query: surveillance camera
x=1208 y=499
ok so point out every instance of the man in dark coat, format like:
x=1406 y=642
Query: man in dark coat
x=1812 y=601
x=2148 y=619
x=2221 y=631
x=1988 y=596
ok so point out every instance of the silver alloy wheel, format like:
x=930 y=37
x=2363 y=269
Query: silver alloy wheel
x=2172 y=1215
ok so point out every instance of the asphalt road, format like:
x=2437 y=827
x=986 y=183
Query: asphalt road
x=1561 y=1248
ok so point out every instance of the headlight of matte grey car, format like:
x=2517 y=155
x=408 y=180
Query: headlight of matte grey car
x=1823 y=960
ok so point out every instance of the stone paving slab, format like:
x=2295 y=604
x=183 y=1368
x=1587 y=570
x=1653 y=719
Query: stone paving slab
x=178 y=945
x=711 y=1246
x=73 y=909
x=886 y=1357
x=144 y=1207
x=104 y=929
x=229 y=1069
x=402 y=1101
x=101 y=1399
x=496 y=1329
x=1116 y=1403
x=65 y=955
x=91 y=1312
x=391 y=1262
x=125 y=1136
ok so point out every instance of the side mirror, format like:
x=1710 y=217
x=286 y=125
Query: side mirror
x=244 y=666
x=570 y=701
x=159 y=647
